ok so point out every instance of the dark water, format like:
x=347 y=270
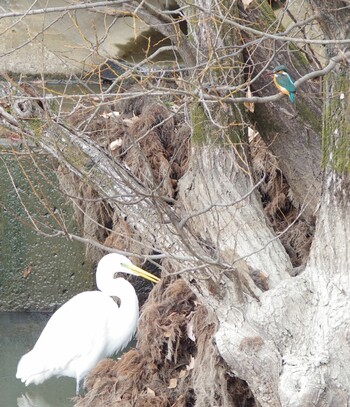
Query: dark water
x=18 y=334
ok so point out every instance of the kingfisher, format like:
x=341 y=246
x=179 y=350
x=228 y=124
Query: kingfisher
x=284 y=83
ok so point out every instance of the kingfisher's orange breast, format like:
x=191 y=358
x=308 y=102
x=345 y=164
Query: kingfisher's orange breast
x=279 y=87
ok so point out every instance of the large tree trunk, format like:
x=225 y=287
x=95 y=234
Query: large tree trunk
x=290 y=343
x=292 y=132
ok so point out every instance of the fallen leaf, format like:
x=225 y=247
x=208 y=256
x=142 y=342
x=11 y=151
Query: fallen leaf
x=190 y=332
x=115 y=144
x=190 y=366
x=252 y=134
x=246 y=3
x=182 y=374
x=249 y=105
x=172 y=383
x=150 y=392
x=106 y=115
x=26 y=271
x=130 y=121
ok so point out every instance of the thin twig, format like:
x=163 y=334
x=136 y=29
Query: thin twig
x=47 y=10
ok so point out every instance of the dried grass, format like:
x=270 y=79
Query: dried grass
x=175 y=363
x=92 y=214
x=151 y=141
x=154 y=142
x=278 y=204
x=154 y=150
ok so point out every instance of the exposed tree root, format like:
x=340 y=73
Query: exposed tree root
x=174 y=364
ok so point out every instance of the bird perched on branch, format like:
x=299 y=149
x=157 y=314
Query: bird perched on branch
x=87 y=328
x=283 y=81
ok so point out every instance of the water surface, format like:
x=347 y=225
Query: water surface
x=18 y=334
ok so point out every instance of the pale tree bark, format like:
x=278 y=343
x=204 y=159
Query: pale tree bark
x=292 y=132
x=290 y=345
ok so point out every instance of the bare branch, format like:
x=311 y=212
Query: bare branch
x=46 y=10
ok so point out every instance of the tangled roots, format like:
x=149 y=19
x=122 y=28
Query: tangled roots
x=175 y=363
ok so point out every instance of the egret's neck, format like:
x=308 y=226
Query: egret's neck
x=129 y=305
x=118 y=287
x=122 y=289
x=127 y=314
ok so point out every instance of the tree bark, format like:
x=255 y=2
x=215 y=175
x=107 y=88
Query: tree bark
x=292 y=132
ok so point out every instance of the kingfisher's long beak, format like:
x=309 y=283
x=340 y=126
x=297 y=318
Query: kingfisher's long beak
x=142 y=273
x=270 y=73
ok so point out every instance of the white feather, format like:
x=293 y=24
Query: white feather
x=87 y=328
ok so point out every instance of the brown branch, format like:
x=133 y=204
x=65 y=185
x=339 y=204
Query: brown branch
x=256 y=99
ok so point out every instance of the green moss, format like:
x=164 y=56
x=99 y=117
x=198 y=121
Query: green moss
x=204 y=132
x=269 y=20
x=53 y=105
x=336 y=124
x=308 y=115
x=36 y=127
x=269 y=23
x=299 y=58
x=69 y=151
x=200 y=124
x=76 y=157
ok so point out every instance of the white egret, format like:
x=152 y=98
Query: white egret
x=87 y=328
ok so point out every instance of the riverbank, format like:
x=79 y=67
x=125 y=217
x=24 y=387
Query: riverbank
x=64 y=43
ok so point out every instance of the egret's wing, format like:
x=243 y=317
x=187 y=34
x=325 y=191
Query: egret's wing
x=77 y=327
x=76 y=330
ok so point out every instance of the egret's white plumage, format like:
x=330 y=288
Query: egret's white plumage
x=87 y=328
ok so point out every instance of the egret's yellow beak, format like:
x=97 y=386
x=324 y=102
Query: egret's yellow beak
x=142 y=273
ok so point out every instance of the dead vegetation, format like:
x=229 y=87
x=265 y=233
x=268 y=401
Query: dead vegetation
x=174 y=364
x=92 y=214
x=148 y=137
x=277 y=200
x=151 y=140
